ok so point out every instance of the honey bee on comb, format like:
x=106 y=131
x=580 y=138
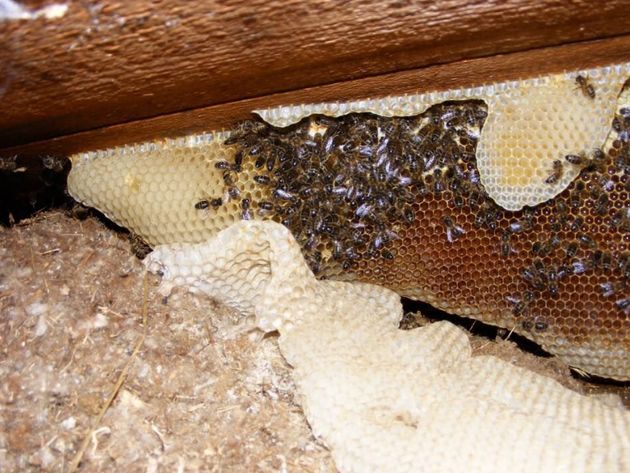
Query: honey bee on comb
x=556 y=173
x=202 y=205
x=585 y=86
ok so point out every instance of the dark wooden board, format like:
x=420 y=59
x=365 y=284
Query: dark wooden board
x=109 y=63
x=459 y=74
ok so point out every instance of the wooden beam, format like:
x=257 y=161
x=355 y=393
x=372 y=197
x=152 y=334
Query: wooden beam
x=108 y=63
x=459 y=74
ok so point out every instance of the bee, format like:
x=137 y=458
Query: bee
x=561 y=210
x=598 y=155
x=261 y=179
x=552 y=283
x=577 y=159
x=310 y=243
x=409 y=215
x=535 y=275
x=585 y=86
x=597 y=161
x=608 y=288
x=351 y=254
x=429 y=160
x=53 y=163
x=601 y=206
x=8 y=164
x=506 y=248
x=547 y=247
x=388 y=255
x=556 y=173
x=606 y=261
x=491 y=215
x=540 y=325
x=571 y=249
x=254 y=149
x=527 y=325
x=330 y=144
x=577 y=224
x=623 y=304
x=516 y=227
x=580 y=267
x=619 y=218
x=222 y=165
x=331 y=230
x=238 y=162
x=228 y=180
x=216 y=202
x=233 y=192
x=315 y=263
x=363 y=210
x=537 y=247
x=283 y=194
x=575 y=197
x=521 y=304
x=438 y=185
x=139 y=247
x=596 y=258
x=202 y=204
x=337 y=250
x=377 y=243
x=586 y=241
x=453 y=231
x=271 y=162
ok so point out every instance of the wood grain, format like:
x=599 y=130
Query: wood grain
x=107 y=63
x=459 y=74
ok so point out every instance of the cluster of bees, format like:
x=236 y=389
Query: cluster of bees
x=347 y=187
x=343 y=185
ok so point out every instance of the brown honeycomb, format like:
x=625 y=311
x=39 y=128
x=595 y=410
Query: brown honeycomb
x=399 y=202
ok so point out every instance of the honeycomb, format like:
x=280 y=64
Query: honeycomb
x=401 y=202
x=143 y=187
x=531 y=124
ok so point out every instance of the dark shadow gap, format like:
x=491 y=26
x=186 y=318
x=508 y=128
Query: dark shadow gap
x=491 y=333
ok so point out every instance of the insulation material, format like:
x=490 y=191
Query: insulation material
x=205 y=393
